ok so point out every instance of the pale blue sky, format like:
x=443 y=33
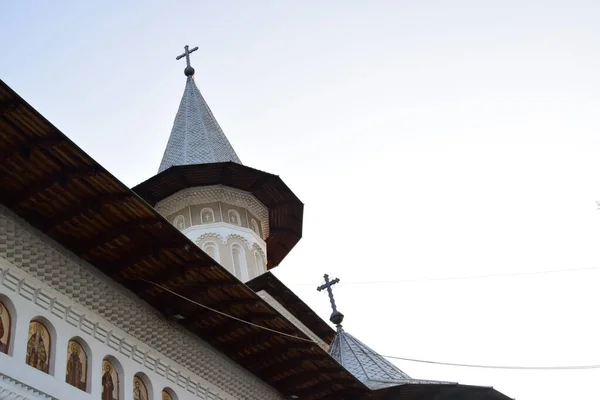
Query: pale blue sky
x=427 y=139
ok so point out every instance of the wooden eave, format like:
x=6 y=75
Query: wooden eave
x=437 y=391
x=292 y=303
x=285 y=209
x=57 y=188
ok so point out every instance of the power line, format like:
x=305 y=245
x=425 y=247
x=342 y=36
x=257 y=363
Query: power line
x=539 y=368
x=568 y=367
x=225 y=314
x=454 y=278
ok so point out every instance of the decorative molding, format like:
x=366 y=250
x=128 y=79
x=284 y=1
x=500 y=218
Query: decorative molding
x=225 y=240
x=210 y=235
x=239 y=237
x=11 y=389
x=216 y=193
x=137 y=331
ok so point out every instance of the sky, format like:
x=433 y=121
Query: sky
x=435 y=145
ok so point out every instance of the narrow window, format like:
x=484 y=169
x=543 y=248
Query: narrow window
x=208 y=215
x=239 y=262
x=140 y=392
x=77 y=365
x=212 y=250
x=234 y=217
x=179 y=222
x=110 y=381
x=38 y=346
x=260 y=264
x=5 y=327
x=254 y=226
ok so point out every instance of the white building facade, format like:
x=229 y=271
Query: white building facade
x=41 y=281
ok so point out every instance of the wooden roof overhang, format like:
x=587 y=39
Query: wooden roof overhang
x=285 y=209
x=299 y=309
x=436 y=391
x=57 y=188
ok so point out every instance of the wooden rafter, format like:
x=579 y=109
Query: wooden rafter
x=62 y=177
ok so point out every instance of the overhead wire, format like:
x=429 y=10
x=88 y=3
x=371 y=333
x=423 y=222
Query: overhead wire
x=453 y=278
x=513 y=367
x=225 y=314
x=505 y=367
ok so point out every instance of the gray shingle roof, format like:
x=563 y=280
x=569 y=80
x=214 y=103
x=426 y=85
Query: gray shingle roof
x=196 y=137
x=366 y=365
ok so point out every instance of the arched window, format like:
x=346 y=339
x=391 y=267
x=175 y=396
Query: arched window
x=77 y=365
x=208 y=215
x=5 y=328
x=39 y=346
x=110 y=381
x=234 y=217
x=260 y=263
x=254 y=226
x=140 y=391
x=212 y=250
x=168 y=394
x=179 y=222
x=239 y=262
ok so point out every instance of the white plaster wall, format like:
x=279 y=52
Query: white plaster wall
x=225 y=236
x=227 y=233
x=54 y=383
x=111 y=321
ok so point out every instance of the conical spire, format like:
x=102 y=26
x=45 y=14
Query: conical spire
x=364 y=363
x=360 y=360
x=196 y=137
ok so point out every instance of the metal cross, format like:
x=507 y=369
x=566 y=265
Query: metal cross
x=187 y=54
x=336 y=316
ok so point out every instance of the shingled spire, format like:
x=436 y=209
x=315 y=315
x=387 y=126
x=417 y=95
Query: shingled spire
x=360 y=360
x=196 y=137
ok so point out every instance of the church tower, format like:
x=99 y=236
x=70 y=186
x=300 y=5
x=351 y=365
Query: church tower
x=246 y=220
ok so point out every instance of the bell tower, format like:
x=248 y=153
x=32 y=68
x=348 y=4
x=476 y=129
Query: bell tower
x=246 y=220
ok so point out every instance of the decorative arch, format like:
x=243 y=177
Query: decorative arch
x=233 y=217
x=259 y=262
x=238 y=255
x=78 y=372
x=142 y=389
x=41 y=339
x=211 y=235
x=240 y=238
x=207 y=215
x=212 y=249
x=8 y=314
x=112 y=371
x=168 y=394
x=179 y=222
x=254 y=226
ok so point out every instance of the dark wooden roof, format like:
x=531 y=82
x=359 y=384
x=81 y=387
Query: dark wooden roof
x=435 y=391
x=285 y=209
x=270 y=284
x=57 y=188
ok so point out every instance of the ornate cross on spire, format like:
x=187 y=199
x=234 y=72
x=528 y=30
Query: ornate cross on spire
x=336 y=316
x=188 y=71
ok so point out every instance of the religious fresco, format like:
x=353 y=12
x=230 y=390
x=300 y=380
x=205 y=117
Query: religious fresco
x=4 y=328
x=166 y=395
x=110 y=381
x=139 y=389
x=76 y=365
x=38 y=346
